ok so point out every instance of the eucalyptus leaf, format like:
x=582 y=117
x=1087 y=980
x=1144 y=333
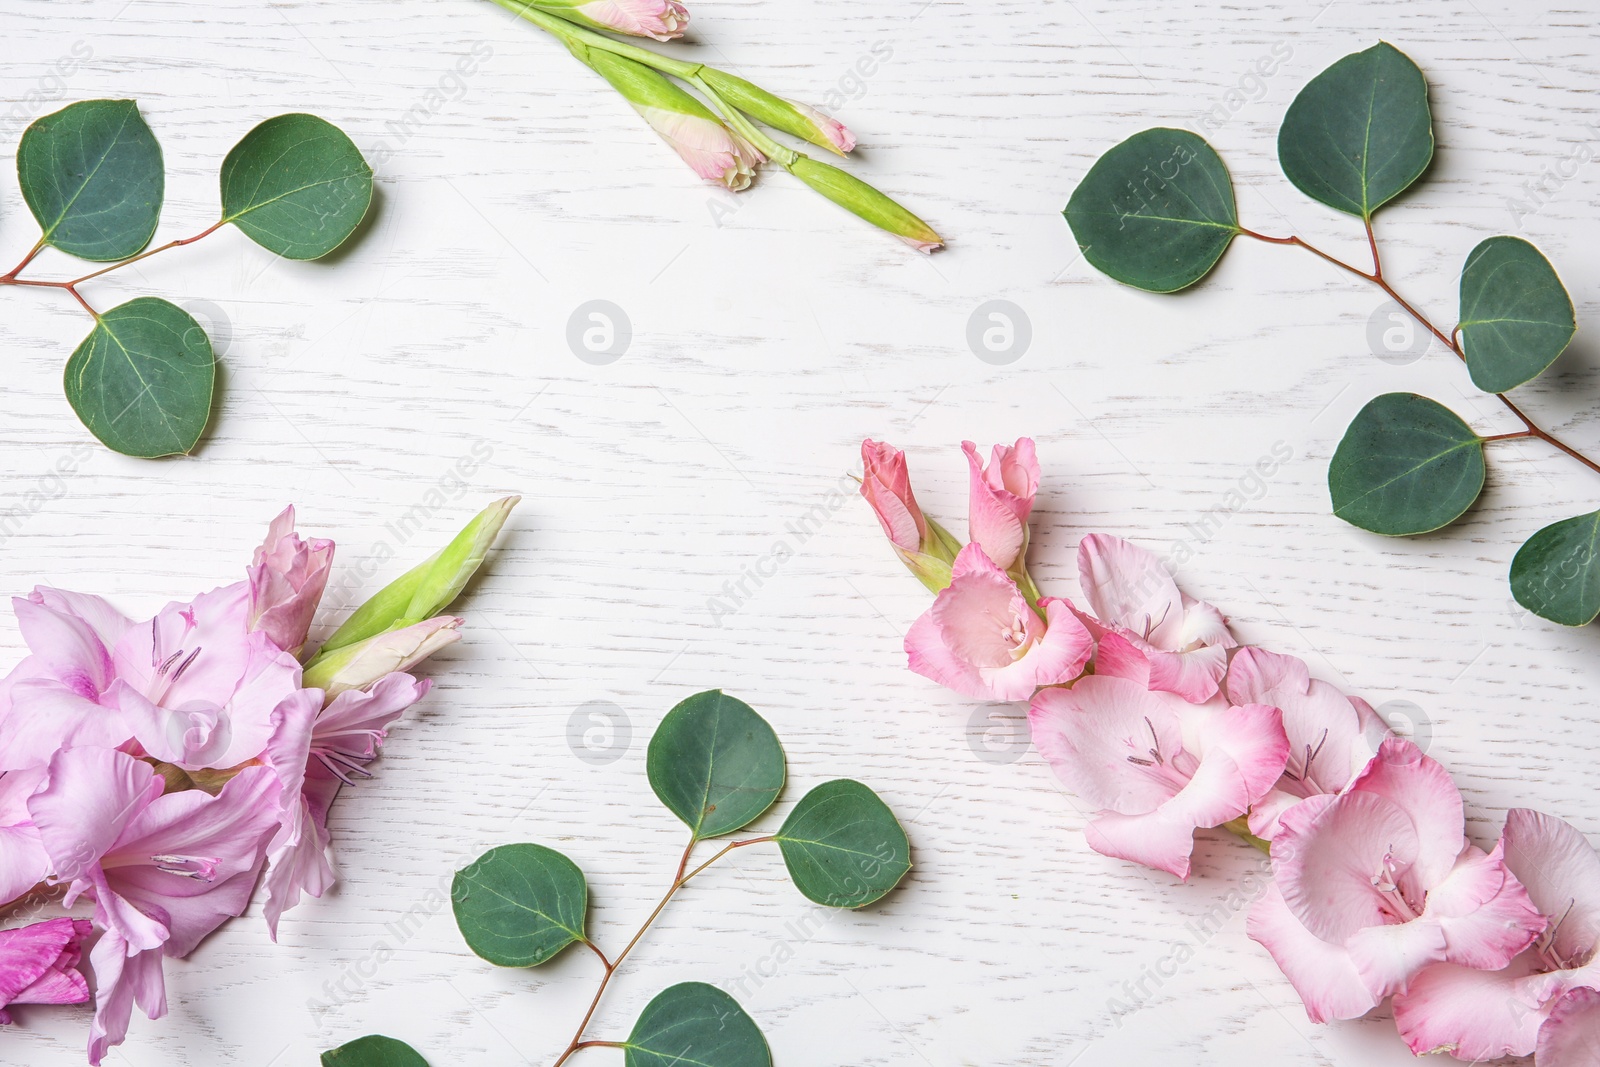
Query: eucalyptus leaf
x=715 y=763
x=520 y=905
x=92 y=175
x=1155 y=212
x=1360 y=132
x=843 y=846
x=1556 y=573
x=296 y=185
x=374 y=1050
x=143 y=378
x=1406 y=465
x=695 y=1025
x=1516 y=316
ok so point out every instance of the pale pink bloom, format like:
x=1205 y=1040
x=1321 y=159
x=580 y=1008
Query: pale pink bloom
x=359 y=665
x=164 y=870
x=314 y=752
x=662 y=20
x=1375 y=883
x=39 y=964
x=1132 y=594
x=123 y=976
x=1156 y=766
x=837 y=134
x=287 y=577
x=712 y=151
x=1001 y=499
x=1483 y=1015
x=886 y=486
x=981 y=638
x=1571 y=1036
x=1331 y=736
x=23 y=860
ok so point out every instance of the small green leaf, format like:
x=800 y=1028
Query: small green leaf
x=1360 y=132
x=142 y=380
x=843 y=846
x=715 y=763
x=374 y=1050
x=1556 y=574
x=296 y=185
x=1406 y=465
x=92 y=176
x=1156 y=212
x=695 y=1025
x=1516 y=316
x=519 y=905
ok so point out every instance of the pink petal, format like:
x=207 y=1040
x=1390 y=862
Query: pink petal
x=1000 y=500
x=886 y=486
x=1128 y=587
x=298 y=863
x=1323 y=974
x=215 y=624
x=712 y=151
x=46 y=717
x=1241 y=753
x=66 y=646
x=123 y=977
x=1388 y=957
x=1562 y=874
x=1117 y=657
x=38 y=963
x=1324 y=727
x=1089 y=732
x=1423 y=789
x=1326 y=854
x=1571 y=1036
x=1192 y=675
x=1486 y=914
x=108 y=623
x=1158 y=839
x=91 y=796
x=1472 y=1014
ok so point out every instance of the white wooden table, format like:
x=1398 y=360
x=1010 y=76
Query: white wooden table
x=770 y=333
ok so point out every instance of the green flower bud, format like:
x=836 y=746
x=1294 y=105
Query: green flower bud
x=857 y=196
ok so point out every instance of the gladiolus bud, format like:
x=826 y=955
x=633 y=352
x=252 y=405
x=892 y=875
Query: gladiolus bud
x=711 y=149
x=287 y=577
x=359 y=665
x=924 y=546
x=427 y=588
x=661 y=20
x=857 y=196
x=780 y=114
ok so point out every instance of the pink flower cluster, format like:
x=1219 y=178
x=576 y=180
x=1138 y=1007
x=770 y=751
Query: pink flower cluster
x=1145 y=706
x=158 y=768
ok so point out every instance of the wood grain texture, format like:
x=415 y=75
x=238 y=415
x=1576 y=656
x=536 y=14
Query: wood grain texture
x=770 y=333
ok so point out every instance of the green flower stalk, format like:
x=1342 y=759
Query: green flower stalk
x=855 y=195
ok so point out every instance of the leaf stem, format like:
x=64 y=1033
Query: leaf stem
x=1448 y=340
x=14 y=271
x=71 y=286
x=679 y=880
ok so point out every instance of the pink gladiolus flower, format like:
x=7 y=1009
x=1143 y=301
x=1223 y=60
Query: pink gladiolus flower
x=662 y=20
x=39 y=964
x=1156 y=766
x=1001 y=500
x=1375 y=883
x=1571 y=1036
x=1187 y=640
x=1331 y=736
x=712 y=151
x=981 y=638
x=124 y=976
x=23 y=861
x=360 y=665
x=1484 y=1015
x=287 y=578
x=923 y=546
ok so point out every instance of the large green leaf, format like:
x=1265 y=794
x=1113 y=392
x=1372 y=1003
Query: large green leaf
x=1556 y=574
x=715 y=763
x=92 y=176
x=1516 y=316
x=374 y=1050
x=519 y=905
x=695 y=1025
x=1360 y=132
x=296 y=185
x=1155 y=212
x=1406 y=465
x=843 y=846
x=142 y=380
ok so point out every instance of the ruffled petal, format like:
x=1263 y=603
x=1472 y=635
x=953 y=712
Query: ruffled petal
x=1128 y=587
x=1092 y=734
x=1570 y=1037
x=1158 y=839
x=123 y=977
x=1471 y=1014
x=1562 y=874
x=1423 y=789
x=1484 y=911
x=1325 y=856
x=1323 y=974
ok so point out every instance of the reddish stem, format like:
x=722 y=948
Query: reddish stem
x=71 y=286
x=1448 y=340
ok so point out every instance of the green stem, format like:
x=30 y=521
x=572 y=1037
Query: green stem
x=560 y=27
x=1241 y=827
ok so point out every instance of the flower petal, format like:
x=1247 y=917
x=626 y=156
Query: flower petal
x=123 y=977
x=1158 y=839
x=1326 y=854
x=1092 y=733
x=91 y=796
x=1323 y=974
x=1472 y=1014
x=1423 y=789
x=1562 y=874
x=1571 y=1036
x=1193 y=675
x=1127 y=586
x=1484 y=911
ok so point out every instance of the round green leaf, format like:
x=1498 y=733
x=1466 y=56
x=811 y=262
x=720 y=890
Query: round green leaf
x=1406 y=465
x=519 y=905
x=296 y=185
x=1555 y=574
x=92 y=176
x=715 y=763
x=142 y=380
x=843 y=846
x=1156 y=212
x=374 y=1050
x=1360 y=132
x=1516 y=316
x=695 y=1025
